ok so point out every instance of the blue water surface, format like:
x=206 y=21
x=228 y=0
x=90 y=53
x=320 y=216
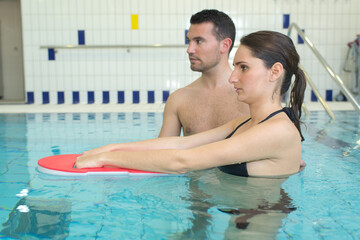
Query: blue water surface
x=321 y=202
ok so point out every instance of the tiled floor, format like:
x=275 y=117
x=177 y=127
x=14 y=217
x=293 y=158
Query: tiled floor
x=157 y=107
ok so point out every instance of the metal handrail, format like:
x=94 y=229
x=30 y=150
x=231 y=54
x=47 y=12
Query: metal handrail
x=317 y=94
x=70 y=46
x=327 y=67
x=112 y=46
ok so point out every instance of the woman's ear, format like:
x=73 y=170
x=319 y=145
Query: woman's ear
x=225 y=45
x=276 y=71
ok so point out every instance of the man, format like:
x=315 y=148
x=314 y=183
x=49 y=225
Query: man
x=208 y=102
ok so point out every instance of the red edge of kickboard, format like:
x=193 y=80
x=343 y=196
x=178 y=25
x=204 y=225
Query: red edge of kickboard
x=64 y=163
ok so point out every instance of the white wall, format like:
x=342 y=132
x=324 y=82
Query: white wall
x=329 y=24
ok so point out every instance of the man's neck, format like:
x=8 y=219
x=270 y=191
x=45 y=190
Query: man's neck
x=217 y=76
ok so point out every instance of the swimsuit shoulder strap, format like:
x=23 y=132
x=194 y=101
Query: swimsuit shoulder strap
x=237 y=128
x=287 y=110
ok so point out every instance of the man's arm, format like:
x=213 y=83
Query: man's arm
x=171 y=124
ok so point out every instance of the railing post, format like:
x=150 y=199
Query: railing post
x=327 y=67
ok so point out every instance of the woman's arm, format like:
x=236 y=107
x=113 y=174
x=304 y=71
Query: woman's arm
x=163 y=160
x=192 y=141
x=271 y=148
x=261 y=142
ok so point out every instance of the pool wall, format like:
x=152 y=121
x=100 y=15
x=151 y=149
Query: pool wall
x=148 y=75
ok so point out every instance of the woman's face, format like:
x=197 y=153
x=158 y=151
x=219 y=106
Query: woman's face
x=249 y=76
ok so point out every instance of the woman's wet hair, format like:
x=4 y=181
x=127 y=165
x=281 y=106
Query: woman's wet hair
x=224 y=27
x=273 y=47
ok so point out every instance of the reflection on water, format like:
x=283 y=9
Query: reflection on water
x=255 y=207
x=38 y=218
x=168 y=207
x=242 y=222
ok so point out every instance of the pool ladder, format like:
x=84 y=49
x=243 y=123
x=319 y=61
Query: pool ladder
x=327 y=67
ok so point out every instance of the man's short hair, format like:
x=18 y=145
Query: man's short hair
x=224 y=27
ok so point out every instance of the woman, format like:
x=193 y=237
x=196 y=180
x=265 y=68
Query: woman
x=267 y=144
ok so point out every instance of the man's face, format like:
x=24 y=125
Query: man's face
x=204 y=48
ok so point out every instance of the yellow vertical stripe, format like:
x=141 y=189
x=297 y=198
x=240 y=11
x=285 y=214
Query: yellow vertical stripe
x=134 y=21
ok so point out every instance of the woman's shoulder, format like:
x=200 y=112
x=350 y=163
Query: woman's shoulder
x=282 y=127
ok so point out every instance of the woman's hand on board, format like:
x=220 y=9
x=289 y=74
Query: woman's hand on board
x=88 y=161
x=106 y=148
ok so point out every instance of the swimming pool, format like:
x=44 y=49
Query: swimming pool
x=322 y=202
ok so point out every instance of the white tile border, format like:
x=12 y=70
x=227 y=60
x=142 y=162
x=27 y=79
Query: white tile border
x=334 y=106
x=156 y=107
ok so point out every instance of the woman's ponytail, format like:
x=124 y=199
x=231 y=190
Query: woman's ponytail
x=297 y=97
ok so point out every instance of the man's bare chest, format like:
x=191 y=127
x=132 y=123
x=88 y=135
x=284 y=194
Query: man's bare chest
x=199 y=116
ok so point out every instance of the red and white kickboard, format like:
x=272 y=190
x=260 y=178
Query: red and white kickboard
x=63 y=165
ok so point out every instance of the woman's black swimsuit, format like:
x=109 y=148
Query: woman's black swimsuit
x=241 y=169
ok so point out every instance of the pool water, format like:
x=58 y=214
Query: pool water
x=321 y=202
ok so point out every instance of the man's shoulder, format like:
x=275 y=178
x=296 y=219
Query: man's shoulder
x=186 y=91
x=182 y=96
